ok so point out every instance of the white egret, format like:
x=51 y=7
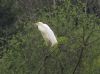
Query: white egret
x=47 y=34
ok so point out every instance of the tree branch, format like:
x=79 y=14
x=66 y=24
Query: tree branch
x=80 y=57
x=43 y=62
x=94 y=41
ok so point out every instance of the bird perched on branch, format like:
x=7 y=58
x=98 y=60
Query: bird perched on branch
x=47 y=34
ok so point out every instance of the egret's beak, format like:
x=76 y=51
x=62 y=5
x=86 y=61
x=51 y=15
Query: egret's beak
x=35 y=25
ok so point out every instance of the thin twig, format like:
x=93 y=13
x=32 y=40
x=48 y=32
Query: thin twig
x=80 y=57
x=43 y=63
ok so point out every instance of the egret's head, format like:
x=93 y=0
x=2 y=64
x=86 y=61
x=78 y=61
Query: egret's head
x=38 y=23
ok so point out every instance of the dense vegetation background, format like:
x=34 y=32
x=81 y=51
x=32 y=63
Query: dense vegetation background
x=76 y=24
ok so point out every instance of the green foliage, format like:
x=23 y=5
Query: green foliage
x=8 y=17
x=75 y=30
x=9 y=10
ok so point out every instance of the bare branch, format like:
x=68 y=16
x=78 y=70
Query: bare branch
x=94 y=41
x=89 y=35
x=80 y=57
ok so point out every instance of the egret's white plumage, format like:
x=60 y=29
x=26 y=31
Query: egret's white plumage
x=47 y=33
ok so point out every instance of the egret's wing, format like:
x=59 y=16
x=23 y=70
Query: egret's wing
x=51 y=35
x=44 y=33
x=47 y=34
